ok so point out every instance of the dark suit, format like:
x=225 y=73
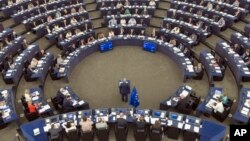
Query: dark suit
x=122 y=123
x=140 y=124
x=124 y=90
x=59 y=98
x=67 y=105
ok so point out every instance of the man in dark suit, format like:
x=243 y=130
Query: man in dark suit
x=124 y=87
x=121 y=122
x=59 y=98
x=68 y=104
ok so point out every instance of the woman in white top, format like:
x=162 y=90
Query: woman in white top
x=111 y=33
x=152 y=3
x=33 y=63
x=123 y=22
x=176 y=30
x=59 y=60
x=68 y=35
x=73 y=21
x=27 y=95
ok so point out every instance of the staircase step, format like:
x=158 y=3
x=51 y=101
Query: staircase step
x=97 y=23
x=164 y=5
x=160 y=13
x=156 y=22
x=94 y=14
x=91 y=7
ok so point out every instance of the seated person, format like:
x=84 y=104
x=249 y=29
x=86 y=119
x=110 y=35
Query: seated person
x=156 y=126
x=78 y=31
x=142 y=33
x=27 y=96
x=222 y=22
x=152 y=3
x=31 y=107
x=113 y=21
x=218 y=107
x=68 y=34
x=101 y=124
x=73 y=21
x=54 y=131
x=123 y=22
x=100 y=35
x=56 y=28
x=172 y=42
x=59 y=60
x=86 y=124
x=58 y=14
x=68 y=126
x=68 y=104
x=141 y=123
x=73 y=10
x=91 y=39
x=236 y=3
x=209 y=6
x=121 y=31
x=132 y=21
x=238 y=49
x=10 y=2
x=245 y=56
x=59 y=98
x=176 y=30
x=121 y=122
x=119 y=5
x=81 y=9
x=127 y=12
x=111 y=33
x=224 y=99
x=153 y=34
x=33 y=63
x=40 y=54
x=131 y=32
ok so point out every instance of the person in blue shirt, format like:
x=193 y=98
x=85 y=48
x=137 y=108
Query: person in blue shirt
x=224 y=99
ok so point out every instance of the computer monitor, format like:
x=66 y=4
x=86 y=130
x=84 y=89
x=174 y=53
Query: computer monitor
x=157 y=113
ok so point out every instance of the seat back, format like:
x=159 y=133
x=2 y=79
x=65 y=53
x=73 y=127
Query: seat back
x=102 y=134
x=121 y=133
x=155 y=135
x=87 y=136
x=140 y=134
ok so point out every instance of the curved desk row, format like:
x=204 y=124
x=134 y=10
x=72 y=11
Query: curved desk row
x=113 y=10
x=27 y=13
x=187 y=27
x=213 y=69
x=13 y=75
x=7 y=108
x=127 y=28
x=40 y=30
x=29 y=23
x=179 y=37
x=230 y=19
x=11 y=49
x=52 y=37
x=142 y=19
x=108 y=3
x=10 y=9
x=75 y=39
x=238 y=38
x=186 y=15
x=173 y=52
x=242 y=113
x=206 y=129
x=231 y=9
x=234 y=61
x=5 y=33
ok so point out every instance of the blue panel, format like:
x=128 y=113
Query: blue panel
x=107 y=46
x=149 y=46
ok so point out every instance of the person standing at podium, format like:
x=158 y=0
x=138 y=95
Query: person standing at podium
x=124 y=87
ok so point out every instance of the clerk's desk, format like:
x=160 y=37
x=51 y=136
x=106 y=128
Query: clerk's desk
x=170 y=120
x=125 y=40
